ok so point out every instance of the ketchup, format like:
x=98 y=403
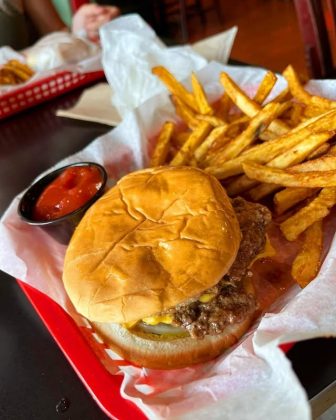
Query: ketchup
x=68 y=192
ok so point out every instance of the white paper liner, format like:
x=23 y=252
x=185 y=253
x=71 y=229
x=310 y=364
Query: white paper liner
x=130 y=50
x=252 y=381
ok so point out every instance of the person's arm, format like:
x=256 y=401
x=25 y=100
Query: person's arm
x=44 y=16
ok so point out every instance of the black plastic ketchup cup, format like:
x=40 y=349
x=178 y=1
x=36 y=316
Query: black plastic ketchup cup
x=63 y=227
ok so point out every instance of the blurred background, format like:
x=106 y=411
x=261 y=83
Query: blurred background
x=268 y=30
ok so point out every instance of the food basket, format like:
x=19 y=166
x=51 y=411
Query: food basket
x=44 y=89
x=103 y=386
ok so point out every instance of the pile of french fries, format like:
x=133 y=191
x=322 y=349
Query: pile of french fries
x=14 y=72
x=281 y=150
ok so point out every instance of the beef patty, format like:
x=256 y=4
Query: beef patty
x=230 y=303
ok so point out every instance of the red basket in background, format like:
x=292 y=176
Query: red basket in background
x=43 y=90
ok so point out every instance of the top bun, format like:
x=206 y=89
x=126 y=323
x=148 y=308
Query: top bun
x=160 y=236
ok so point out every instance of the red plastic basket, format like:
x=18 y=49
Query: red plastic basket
x=102 y=385
x=43 y=90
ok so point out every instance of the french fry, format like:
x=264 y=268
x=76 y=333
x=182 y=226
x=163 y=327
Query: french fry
x=185 y=113
x=7 y=78
x=285 y=178
x=21 y=75
x=300 y=152
x=202 y=103
x=265 y=148
x=261 y=191
x=332 y=150
x=295 y=85
x=216 y=146
x=194 y=140
x=240 y=185
x=214 y=135
x=257 y=124
x=265 y=152
x=294 y=155
x=324 y=163
x=312 y=111
x=265 y=87
x=320 y=151
x=307 y=263
x=295 y=114
x=301 y=94
x=289 y=197
x=267 y=135
x=26 y=69
x=316 y=210
x=316 y=119
x=14 y=72
x=236 y=126
x=162 y=145
x=175 y=87
x=4 y=80
x=223 y=107
x=247 y=105
x=213 y=154
x=214 y=121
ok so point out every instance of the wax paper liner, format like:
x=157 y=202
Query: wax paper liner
x=130 y=74
x=254 y=380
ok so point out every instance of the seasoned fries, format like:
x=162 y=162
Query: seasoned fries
x=14 y=72
x=214 y=121
x=162 y=145
x=289 y=197
x=195 y=139
x=301 y=94
x=316 y=210
x=185 y=113
x=265 y=87
x=200 y=97
x=320 y=151
x=324 y=163
x=263 y=153
x=247 y=105
x=257 y=125
x=307 y=263
x=283 y=178
x=259 y=148
x=214 y=136
x=294 y=155
x=176 y=88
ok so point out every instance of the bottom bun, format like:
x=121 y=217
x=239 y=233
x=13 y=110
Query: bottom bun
x=168 y=354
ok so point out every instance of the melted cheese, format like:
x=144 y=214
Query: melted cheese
x=157 y=319
x=268 y=252
x=129 y=325
x=168 y=319
x=206 y=297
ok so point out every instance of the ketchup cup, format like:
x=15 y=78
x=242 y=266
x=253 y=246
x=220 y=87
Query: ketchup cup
x=60 y=228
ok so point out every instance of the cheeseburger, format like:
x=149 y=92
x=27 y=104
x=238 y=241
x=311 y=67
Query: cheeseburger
x=160 y=266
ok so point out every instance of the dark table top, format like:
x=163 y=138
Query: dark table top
x=34 y=374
